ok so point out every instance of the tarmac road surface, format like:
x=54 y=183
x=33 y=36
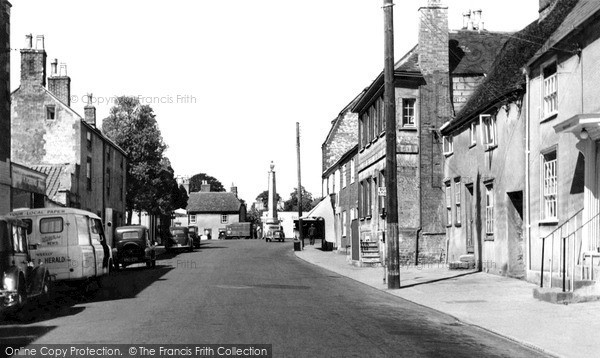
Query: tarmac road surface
x=251 y=291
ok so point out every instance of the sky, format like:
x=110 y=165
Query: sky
x=229 y=79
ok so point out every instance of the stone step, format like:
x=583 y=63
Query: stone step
x=460 y=265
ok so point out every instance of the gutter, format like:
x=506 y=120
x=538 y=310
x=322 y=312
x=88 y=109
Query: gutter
x=527 y=178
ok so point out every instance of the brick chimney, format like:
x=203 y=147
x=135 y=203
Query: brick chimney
x=234 y=189
x=433 y=37
x=33 y=62
x=205 y=187
x=89 y=110
x=59 y=83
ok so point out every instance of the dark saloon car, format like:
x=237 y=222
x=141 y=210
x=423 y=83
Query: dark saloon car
x=180 y=239
x=195 y=237
x=23 y=278
x=133 y=246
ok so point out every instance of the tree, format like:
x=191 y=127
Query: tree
x=133 y=127
x=292 y=203
x=196 y=182
x=264 y=198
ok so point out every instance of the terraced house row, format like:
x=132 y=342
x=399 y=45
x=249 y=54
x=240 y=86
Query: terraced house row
x=498 y=161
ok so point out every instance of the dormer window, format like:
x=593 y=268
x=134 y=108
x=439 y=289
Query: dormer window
x=488 y=128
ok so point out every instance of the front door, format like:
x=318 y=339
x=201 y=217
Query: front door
x=469 y=218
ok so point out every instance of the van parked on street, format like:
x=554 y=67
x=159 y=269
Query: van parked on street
x=23 y=278
x=69 y=242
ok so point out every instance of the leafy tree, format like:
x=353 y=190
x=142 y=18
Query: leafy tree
x=133 y=127
x=182 y=198
x=264 y=198
x=196 y=182
x=292 y=203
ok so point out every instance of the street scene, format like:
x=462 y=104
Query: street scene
x=331 y=178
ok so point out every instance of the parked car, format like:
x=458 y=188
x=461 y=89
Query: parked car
x=70 y=243
x=275 y=232
x=133 y=245
x=195 y=237
x=22 y=277
x=180 y=239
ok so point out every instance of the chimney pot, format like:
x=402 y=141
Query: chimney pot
x=63 y=70
x=39 y=42
x=28 y=41
x=466 y=19
x=90 y=110
x=54 y=68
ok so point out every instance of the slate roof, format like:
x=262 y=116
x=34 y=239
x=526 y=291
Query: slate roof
x=506 y=77
x=470 y=53
x=58 y=177
x=213 y=202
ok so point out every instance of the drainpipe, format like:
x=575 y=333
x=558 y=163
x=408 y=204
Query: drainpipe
x=419 y=176
x=527 y=178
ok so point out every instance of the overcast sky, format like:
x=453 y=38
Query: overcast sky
x=229 y=79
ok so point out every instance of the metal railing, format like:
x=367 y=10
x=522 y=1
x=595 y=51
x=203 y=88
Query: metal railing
x=568 y=239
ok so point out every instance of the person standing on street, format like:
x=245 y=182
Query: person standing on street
x=311 y=233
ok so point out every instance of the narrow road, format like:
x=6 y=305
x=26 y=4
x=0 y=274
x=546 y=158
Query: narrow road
x=250 y=291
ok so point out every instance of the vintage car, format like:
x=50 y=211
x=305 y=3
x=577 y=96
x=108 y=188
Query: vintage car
x=180 y=239
x=133 y=245
x=274 y=233
x=22 y=277
x=195 y=237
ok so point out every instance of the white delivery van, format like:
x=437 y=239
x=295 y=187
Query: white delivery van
x=69 y=242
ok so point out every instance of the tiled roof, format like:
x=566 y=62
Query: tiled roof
x=506 y=78
x=583 y=11
x=408 y=63
x=474 y=52
x=59 y=178
x=213 y=202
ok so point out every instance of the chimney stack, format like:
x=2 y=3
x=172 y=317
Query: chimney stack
x=59 y=84
x=205 y=187
x=89 y=110
x=234 y=189
x=433 y=37
x=33 y=62
x=477 y=19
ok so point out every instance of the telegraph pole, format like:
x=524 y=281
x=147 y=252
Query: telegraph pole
x=300 y=234
x=389 y=105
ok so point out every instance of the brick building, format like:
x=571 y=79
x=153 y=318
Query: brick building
x=432 y=82
x=5 y=138
x=340 y=151
x=84 y=168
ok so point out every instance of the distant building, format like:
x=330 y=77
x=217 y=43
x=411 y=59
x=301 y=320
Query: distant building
x=210 y=212
x=84 y=168
x=339 y=155
x=5 y=122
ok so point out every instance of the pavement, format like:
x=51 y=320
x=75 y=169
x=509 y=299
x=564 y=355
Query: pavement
x=501 y=305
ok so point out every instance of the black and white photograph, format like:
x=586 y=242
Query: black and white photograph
x=316 y=178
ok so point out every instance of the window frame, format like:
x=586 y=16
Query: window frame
x=489 y=210
x=224 y=218
x=457 y=202
x=405 y=119
x=448 y=200
x=51 y=112
x=192 y=218
x=352 y=170
x=344 y=175
x=89 y=139
x=549 y=100
x=88 y=173
x=549 y=185
x=473 y=134
x=489 y=131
